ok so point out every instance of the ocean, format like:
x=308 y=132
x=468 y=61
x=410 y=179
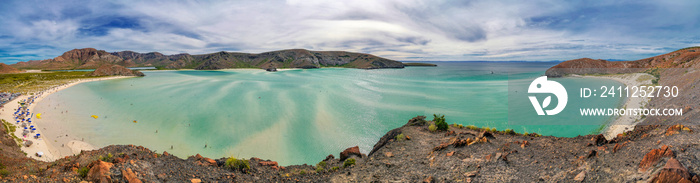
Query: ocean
x=301 y=116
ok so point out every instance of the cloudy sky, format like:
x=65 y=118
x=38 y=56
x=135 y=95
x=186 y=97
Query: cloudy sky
x=537 y=30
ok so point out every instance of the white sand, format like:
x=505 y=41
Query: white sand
x=46 y=144
x=626 y=123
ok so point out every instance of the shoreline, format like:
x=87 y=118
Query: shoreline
x=46 y=144
x=625 y=123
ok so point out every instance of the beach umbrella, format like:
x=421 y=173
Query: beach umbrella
x=38 y=115
x=39 y=153
x=94 y=116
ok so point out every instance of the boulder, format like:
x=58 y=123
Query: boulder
x=417 y=121
x=673 y=171
x=580 y=176
x=592 y=153
x=599 y=140
x=267 y=163
x=100 y=171
x=676 y=129
x=210 y=161
x=486 y=134
x=329 y=157
x=524 y=144
x=429 y=179
x=130 y=176
x=353 y=151
x=618 y=146
x=653 y=157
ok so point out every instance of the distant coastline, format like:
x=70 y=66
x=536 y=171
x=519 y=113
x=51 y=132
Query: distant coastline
x=414 y=64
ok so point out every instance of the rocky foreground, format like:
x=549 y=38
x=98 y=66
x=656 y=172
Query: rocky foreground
x=411 y=153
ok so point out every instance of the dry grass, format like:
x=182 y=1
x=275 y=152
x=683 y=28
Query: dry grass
x=27 y=83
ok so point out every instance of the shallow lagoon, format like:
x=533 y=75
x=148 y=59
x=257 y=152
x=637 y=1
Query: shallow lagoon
x=299 y=116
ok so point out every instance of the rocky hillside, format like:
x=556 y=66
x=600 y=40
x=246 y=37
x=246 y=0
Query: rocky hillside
x=411 y=153
x=5 y=69
x=90 y=58
x=683 y=58
x=114 y=70
x=679 y=68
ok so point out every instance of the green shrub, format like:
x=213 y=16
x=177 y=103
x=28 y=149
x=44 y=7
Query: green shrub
x=322 y=164
x=236 y=164
x=108 y=158
x=4 y=173
x=319 y=169
x=335 y=168
x=302 y=172
x=432 y=128
x=349 y=162
x=472 y=127
x=494 y=129
x=83 y=172
x=400 y=137
x=656 y=73
x=440 y=122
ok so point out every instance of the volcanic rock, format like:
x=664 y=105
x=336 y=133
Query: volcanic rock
x=353 y=151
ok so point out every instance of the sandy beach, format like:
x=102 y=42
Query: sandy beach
x=50 y=147
x=626 y=123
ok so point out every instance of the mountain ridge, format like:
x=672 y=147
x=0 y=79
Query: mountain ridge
x=682 y=58
x=91 y=58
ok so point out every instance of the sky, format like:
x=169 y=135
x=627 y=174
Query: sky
x=405 y=30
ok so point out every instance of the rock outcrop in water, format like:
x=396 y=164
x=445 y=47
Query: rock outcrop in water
x=114 y=70
x=90 y=58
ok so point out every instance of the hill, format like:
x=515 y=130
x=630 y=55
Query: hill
x=683 y=58
x=114 y=70
x=674 y=69
x=5 y=69
x=90 y=58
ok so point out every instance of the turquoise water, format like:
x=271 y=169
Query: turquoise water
x=296 y=116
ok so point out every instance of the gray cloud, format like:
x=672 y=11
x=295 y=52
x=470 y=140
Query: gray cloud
x=397 y=29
